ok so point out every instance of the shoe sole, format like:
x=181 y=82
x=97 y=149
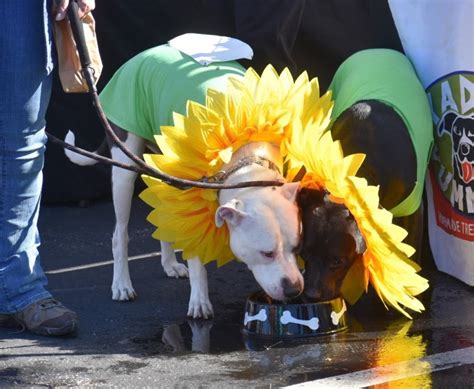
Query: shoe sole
x=66 y=330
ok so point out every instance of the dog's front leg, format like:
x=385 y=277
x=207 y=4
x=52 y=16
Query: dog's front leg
x=199 y=304
x=123 y=183
x=169 y=262
x=122 y=189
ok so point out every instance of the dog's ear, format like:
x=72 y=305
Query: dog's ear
x=361 y=246
x=290 y=191
x=231 y=212
x=446 y=123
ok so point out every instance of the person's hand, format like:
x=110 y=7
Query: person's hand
x=85 y=6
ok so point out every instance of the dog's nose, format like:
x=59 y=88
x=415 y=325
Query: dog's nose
x=291 y=290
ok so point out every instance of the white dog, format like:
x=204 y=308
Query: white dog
x=263 y=222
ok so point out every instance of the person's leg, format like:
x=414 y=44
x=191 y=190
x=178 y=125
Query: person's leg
x=25 y=76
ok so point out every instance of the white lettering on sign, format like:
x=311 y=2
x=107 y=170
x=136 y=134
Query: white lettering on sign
x=469 y=200
x=466 y=88
x=457 y=196
x=447 y=99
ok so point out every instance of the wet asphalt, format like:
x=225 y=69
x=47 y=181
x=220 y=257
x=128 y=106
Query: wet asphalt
x=151 y=343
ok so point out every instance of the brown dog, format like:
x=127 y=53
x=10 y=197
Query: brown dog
x=332 y=241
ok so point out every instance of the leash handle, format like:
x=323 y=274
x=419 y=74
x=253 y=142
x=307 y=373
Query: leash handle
x=78 y=33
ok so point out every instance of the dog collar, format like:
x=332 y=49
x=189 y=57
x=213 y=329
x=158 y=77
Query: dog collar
x=223 y=175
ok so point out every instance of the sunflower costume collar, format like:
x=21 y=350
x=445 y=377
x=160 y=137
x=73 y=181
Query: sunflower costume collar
x=292 y=115
x=222 y=175
x=254 y=108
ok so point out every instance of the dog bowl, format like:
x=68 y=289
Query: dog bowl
x=292 y=320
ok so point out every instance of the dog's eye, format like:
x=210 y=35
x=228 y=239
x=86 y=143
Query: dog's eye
x=336 y=262
x=456 y=130
x=268 y=254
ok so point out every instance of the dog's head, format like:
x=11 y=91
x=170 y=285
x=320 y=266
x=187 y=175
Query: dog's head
x=332 y=242
x=461 y=130
x=265 y=233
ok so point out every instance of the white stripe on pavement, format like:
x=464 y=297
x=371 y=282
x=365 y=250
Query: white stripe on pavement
x=105 y=263
x=392 y=372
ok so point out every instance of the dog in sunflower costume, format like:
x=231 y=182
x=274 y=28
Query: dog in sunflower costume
x=382 y=119
x=220 y=121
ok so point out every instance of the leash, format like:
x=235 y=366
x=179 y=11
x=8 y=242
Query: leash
x=141 y=167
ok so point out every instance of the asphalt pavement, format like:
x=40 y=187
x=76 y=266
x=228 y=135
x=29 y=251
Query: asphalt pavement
x=150 y=343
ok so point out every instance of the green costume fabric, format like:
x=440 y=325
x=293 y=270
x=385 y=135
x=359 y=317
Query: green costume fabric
x=367 y=75
x=143 y=94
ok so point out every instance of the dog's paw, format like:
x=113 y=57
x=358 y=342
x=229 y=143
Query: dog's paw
x=200 y=308
x=176 y=270
x=123 y=292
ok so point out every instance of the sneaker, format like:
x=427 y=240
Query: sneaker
x=46 y=317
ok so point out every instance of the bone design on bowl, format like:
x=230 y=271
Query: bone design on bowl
x=270 y=319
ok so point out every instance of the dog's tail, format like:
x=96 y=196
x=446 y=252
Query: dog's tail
x=79 y=159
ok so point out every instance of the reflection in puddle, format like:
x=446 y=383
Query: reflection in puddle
x=224 y=336
x=193 y=336
x=399 y=346
x=388 y=354
x=385 y=359
x=211 y=337
x=379 y=349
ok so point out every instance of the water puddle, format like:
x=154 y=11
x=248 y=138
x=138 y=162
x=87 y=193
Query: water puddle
x=218 y=336
x=371 y=342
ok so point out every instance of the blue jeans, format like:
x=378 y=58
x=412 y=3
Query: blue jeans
x=25 y=88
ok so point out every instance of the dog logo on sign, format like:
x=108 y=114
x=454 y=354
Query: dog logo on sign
x=452 y=102
x=460 y=128
x=452 y=162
